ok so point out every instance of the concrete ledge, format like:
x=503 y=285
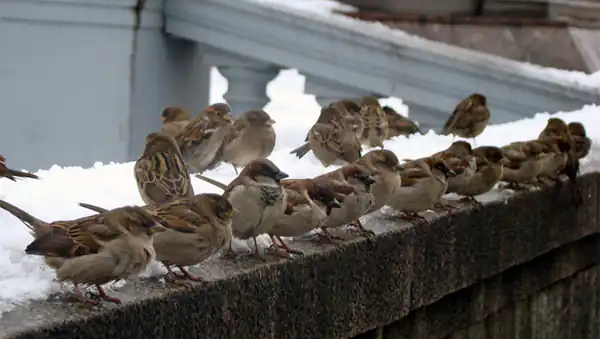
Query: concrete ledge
x=342 y=292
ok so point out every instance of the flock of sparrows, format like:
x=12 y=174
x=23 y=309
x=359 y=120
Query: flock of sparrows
x=181 y=228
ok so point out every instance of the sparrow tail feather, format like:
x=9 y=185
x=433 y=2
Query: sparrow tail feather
x=301 y=151
x=22 y=174
x=94 y=208
x=211 y=181
x=29 y=220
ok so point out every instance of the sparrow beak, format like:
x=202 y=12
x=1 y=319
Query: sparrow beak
x=398 y=168
x=162 y=118
x=451 y=173
x=270 y=122
x=369 y=180
x=281 y=175
x=227 y=118
x=334 y=204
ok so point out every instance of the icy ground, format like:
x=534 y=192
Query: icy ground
x=55 y=197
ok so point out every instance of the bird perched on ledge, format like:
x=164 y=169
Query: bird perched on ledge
x=469 y=119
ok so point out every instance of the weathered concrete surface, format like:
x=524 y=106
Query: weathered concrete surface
x=344 y=291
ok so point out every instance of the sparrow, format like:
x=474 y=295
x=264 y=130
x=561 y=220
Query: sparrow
x=257 y=198
x=582 y=142
x=375 y=122
x=251 y=137
x=309 y=204
x=196 y=228
x=201 y=142
x=351 y=111
x=385 y=166
x=399 y=124
x=12 y=174
x=424 y=181
x=93 y=250
x=523 y=163
x=352 y=186
x=331 y=137
x=554 y=156
x=490 y=165
x=174 y=120
x=469 y=118
x=556 y=127
x=333 y=142
x=160 y=172
x=460 y=158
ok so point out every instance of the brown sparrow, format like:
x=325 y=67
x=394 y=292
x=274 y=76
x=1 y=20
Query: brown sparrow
x=424 y=181
x=399 y=124
x=375 y=122
x=174 y=120
x=352 y=185
x=257 y=198
x=196 y=228
x=556 y=127
x=490 y=164
x=12 y=174
x=460 y=159
x=523 y=163
x=309 y=204
x=93 y=250
x=251 y=137
x=351 y=111
x=385 y=166
x=201 y=142
x=469 y=119
x=582 y=142
x=160 y=172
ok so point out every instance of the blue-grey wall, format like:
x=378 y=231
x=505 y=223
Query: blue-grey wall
x=70 y=91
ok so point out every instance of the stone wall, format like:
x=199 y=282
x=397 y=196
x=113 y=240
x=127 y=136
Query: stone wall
x=530 y=257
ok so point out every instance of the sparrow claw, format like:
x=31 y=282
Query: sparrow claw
x=176 y=279
x=185 y=274
x=327 y=236
x=101 y=295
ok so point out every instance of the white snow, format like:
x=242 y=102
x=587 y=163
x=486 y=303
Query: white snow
x=55 y=197
x=322 y=11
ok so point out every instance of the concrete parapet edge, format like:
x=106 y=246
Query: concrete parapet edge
x=360 y=285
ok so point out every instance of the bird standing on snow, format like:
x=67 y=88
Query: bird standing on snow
x=375 y=122
x=399 y=124
x=469 y=119
x=93 y=250
x=202 y=141
x=251 y=137
x=160 y=172
x=196 y=228
x=257 y=197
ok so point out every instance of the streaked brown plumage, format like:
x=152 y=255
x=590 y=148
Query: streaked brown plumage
x=460 y=159
x=175 y=120
x=352 y=185
x=399 y=124
x=385 y=166
x=93 y=250
x=201 y=142
x=309 y=204
x=196 y=228
x=580 y=138
x=257 y=197
x=351 y=110
x=251 y=137
x=160 y=172
x=469 y=119
x=333 y=141
x=523 y=163
x=375 y=122
x=424 y=181
x=556 y=127
x=12 y=174
x=490 y=165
